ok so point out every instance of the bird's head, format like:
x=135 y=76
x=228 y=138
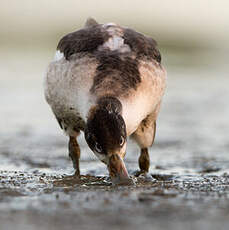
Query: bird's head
x=105 y=134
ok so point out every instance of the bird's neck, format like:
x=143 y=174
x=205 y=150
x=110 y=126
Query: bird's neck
x=110 y=104
x=107 y=104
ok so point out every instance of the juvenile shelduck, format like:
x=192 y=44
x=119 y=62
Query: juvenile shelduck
x=107 y=81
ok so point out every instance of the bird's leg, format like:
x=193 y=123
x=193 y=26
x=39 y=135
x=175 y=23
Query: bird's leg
x=74 y=154
x=144 y=136
x=144 y=161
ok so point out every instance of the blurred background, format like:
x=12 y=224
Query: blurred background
x=192 y=37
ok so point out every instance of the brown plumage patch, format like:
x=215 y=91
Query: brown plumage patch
x=77 y=124
x=117 y=70
x=84 y=40
x=142 y=45
x=111 y=104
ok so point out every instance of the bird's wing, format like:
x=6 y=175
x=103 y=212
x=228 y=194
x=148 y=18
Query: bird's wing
x=141 y=45
x=83 y=40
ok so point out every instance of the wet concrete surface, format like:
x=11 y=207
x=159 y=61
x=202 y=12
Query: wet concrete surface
x=188 y=183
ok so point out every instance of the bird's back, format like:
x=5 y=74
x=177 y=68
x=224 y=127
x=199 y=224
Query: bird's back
x=105 y=59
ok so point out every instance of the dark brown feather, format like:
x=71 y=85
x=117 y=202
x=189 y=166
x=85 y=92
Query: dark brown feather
x=116 y=69
x=84 y=40
x=143 y=46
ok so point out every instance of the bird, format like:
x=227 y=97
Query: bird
x=108 y=82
